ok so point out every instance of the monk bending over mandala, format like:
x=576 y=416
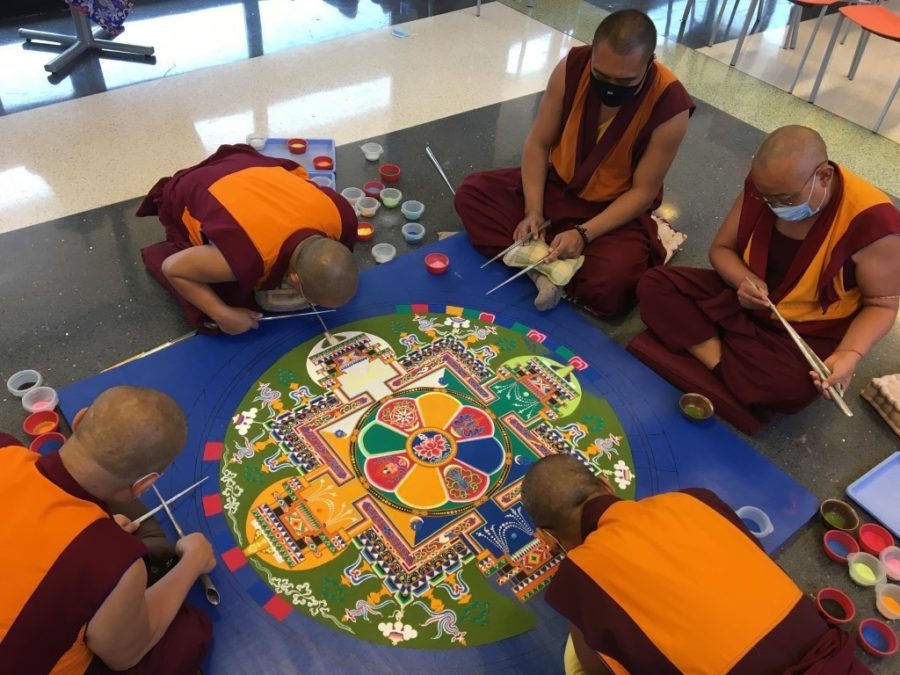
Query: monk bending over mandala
x=639 y=601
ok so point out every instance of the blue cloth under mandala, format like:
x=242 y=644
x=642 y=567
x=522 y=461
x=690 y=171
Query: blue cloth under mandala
x=110 y=15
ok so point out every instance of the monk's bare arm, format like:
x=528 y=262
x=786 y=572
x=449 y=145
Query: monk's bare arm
x=541 y=138
x=134 y=618
x=725 y=259
x=647 y=180
x=191 y=271
x=878 y=277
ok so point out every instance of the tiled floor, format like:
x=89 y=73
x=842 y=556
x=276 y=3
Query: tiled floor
x=859 y=100
x=119 y=142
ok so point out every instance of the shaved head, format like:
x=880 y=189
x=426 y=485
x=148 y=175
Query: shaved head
x=786 y=159
x=793 y=143
x=130 y=432
x=627 y=31
x=327 y=271
x=557 y=486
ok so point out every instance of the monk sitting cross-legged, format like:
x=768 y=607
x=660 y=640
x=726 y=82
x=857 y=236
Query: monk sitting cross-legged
x=75 y=597
x=244 y=232
x=607 y=130
x=806 y=234
x=714 y=602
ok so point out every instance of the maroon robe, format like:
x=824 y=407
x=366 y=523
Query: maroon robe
x=189 y=190
x=491 y=203
x=761 y=370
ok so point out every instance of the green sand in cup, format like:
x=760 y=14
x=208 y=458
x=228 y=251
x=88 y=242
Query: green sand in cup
x=694 y=411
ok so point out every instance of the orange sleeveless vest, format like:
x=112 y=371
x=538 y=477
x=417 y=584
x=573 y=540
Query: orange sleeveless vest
x=39 y=521
x=614 y=175
x=270 y=204
x=802 y=302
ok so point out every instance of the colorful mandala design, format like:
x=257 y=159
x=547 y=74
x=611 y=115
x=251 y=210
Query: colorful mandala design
x=431 y=452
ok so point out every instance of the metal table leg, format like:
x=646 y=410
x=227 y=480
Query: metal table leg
x=684 y=17
x=744 y=31
x=81 y=42
x=806 y=51
x=857 y=56
x=887 y=106
x=827 y=57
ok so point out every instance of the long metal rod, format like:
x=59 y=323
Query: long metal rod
x=170 y=500
x=437 y=166
x=276 y=317
x=518 y=274
x=520 y=242
x=211 y=592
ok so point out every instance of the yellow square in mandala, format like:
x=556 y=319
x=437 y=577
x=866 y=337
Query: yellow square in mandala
x=450 y=310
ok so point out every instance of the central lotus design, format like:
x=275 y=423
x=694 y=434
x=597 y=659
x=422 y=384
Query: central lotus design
x=431 y=452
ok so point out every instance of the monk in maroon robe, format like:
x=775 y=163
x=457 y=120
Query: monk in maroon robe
x=807 y=235
x=75 y=597
x=606 y=132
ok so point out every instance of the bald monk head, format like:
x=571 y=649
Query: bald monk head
x=324 y=271
x=622 y=51
x=791 y=168
x=123 y=441
x=554 y=492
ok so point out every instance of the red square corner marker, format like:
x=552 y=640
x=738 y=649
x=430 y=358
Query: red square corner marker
x=212 y=452
x=234 y=558
x=212 y=504
x=487 y=317
x=419 y=309
x=278 y=607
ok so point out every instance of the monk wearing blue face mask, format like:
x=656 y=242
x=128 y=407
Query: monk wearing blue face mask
x=805 y=234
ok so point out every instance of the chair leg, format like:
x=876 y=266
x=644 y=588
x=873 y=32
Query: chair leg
x=790 y=31
x=746 y=29
x=857 y=56
x=796 y=32
x=684 y=17
x=887 y=106
x=826 y=58
x=846 y=33
x=809 y=44
x=715 y=29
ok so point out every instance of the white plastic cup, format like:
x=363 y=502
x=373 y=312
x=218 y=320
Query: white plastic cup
x=22 y=382
x=372 y=151
x=412 y=209
x=756 y=520
x=383 y=253
x=256 y=140
x=352 y=195
x=390 y=197
x=891 y=591
x=40 y=398
x=870 y=561
x=890 y=558
x=367 y=207
x=324 y=181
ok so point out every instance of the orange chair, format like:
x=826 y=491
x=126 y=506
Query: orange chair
x=871 y=19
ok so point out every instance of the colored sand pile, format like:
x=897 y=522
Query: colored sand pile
x=834 y=608
x=863 y=572
x=835 y=519
x=892 y=605
x=694 y=411
x=875 y=638
x=43 y=428
x=893 y=566
x=838 y=548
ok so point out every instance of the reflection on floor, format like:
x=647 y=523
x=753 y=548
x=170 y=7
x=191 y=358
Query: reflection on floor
x=859 y=100
x=119 y=142
x=189 y=35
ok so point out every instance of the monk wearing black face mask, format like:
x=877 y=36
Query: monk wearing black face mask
x=593 y=164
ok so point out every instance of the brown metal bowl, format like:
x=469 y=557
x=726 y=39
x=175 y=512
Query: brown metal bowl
x=696 y=407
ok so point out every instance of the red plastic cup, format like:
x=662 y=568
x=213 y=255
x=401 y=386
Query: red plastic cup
x=323 y=163
x=373 y=189
x=835 y=606
x=390 y=173
x=297 y=146
x=874 y=538
x=877 y=637
x=47 y=442
x=437 y=263
x=41 y=422
x=365 y=231
x=838 y=545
